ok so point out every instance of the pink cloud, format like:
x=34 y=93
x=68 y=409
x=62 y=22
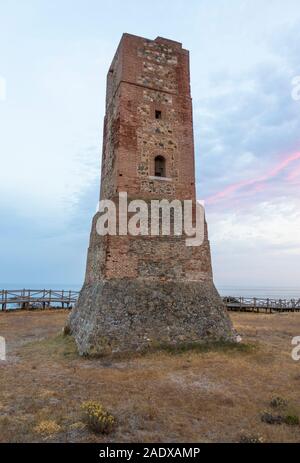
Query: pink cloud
x=294 y=174
x=258 y=184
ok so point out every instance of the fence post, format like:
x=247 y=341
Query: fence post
x=44 y=296
x=5 y=300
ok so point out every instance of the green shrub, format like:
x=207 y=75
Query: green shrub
x=292 y=420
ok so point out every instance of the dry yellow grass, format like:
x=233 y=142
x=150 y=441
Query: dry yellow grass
x=194 y=396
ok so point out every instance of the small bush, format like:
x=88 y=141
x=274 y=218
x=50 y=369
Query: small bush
x=278 y=402
x=251 y=439
x=66 y=330
x=47 y=428
x=292 y=420
x=97 y=418
x=268 y=418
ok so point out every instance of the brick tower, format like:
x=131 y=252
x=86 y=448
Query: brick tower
x=145 y=290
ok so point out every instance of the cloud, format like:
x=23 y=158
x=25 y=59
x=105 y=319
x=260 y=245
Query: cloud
x=247 y=136
x=258 y=184
x=248 y=132
x=55 y=56
x=263 y=225
x=2 y=89
x=257 y=246
x=51 y=134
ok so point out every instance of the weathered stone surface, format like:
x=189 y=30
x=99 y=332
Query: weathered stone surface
x=144 y=290
x=131 y=315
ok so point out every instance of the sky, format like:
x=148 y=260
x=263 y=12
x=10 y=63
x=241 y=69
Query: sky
x=54 y=56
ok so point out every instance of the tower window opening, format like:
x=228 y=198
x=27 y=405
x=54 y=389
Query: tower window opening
x=160 y=166
x=157 y=114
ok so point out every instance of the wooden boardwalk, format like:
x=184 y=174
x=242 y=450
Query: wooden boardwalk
x=29 y=299
x=36 y=299
x=267 y=305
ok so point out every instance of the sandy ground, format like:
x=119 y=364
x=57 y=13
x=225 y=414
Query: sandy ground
x=214 y=395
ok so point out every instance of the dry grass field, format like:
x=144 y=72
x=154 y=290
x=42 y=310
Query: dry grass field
x=198 y=395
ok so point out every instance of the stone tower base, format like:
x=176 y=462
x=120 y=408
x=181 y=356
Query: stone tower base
x=131 y=315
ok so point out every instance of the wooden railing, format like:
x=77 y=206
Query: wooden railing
x=50 y=298
x=35 y=299
x=255 y=304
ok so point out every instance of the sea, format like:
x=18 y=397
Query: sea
x=274 y=292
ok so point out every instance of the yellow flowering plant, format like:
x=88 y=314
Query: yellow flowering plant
x=97 y=418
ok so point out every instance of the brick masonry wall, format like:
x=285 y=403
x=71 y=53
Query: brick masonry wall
x=147 y=76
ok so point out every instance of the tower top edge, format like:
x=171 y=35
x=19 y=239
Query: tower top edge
x=158 y=39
